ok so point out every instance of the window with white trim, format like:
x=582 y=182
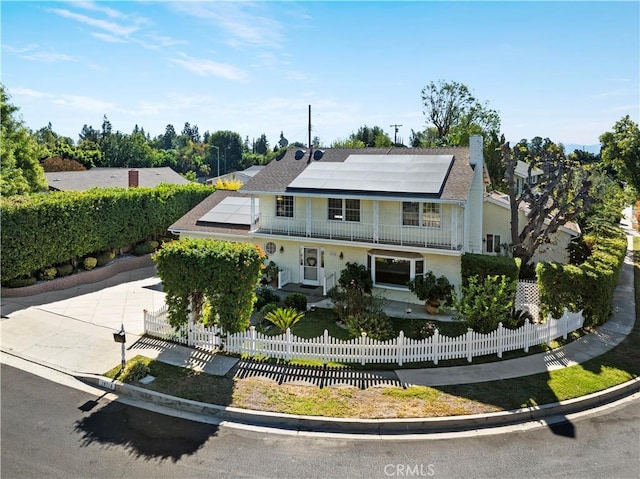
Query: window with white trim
x=284 y=206
x=394 y=271
x=421 y=214
x=493 y=243
x=340 y=209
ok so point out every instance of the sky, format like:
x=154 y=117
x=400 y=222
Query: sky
x=567 y=71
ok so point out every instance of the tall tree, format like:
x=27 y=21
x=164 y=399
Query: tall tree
x=19 y=153
x=456 y=113
x=559 y=196
x=621 y=150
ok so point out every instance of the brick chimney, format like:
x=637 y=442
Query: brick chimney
x=133 y=178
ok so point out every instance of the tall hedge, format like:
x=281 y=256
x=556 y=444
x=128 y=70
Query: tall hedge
x=482 y=265
x=223 y=273
x=588 y=286
x=46 y=229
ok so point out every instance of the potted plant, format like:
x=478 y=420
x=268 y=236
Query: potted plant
x=271 y=271
x=432 y=290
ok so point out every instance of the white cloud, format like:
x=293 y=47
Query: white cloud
x=204 y=67
x=74 y=102
x=243 y=26
x=95 y=7
x=33 y=52
x=111 y=28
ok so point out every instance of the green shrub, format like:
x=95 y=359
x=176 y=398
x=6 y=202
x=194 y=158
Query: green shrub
x=45 y=229
x=104 y=257
x=21 y=282
x=296 y=301
x=89 y=263
x=47 y=274
x=356 y=274
x=134 y=371
x=265 y=295
x=376 y=324
x=145 y=247
x=485 y=302
x=284 y=318
x=473 y=264
x=64 y=269
x=588 y=286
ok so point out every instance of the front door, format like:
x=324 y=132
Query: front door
x=311 y=260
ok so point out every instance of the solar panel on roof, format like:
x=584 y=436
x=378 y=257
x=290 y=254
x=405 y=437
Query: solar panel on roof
x=231 y=210
x=420 y=174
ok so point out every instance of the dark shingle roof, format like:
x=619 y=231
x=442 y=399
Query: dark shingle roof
x=278 y=174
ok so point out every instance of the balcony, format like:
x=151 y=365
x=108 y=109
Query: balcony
x=380 y=234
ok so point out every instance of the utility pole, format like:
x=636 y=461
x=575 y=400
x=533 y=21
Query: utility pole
x=395 y=135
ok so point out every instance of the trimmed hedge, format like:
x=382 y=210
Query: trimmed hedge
x=482 y=265
x=588 y=286
x=46 y=229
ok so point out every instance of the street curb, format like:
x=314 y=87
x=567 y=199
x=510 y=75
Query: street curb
x=385 y=427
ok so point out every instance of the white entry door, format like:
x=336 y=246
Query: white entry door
x=311 y=264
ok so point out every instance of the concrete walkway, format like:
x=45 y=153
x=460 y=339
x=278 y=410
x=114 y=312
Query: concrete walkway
x=72 y=330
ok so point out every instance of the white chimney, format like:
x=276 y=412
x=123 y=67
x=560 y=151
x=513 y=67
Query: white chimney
x=476 y=156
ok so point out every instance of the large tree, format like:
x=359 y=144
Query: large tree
x=559 y=196
x=456 y=114
x=21 y=172
x=621 y=150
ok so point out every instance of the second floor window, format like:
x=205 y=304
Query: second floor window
x=343 y=210
x=421 y=214
x=284 y=206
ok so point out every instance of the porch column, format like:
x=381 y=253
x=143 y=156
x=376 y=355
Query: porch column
x=308 y=222
x=376 y=219
x=454 y=227
x=253 y=214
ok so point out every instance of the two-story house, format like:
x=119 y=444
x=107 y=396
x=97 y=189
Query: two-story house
x=399 y=211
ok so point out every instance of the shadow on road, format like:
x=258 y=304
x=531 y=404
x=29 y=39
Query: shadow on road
x=143 y=433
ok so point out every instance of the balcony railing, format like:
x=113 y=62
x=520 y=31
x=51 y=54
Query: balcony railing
x=440 y=238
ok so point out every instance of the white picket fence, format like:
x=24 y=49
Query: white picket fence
x=363 y=349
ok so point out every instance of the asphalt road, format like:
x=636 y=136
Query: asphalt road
x=49 y=430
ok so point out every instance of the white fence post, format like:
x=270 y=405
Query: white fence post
x=500 y=332
x=400 y=350
x=468 y=340
x=190 y=329
x=288 y=344
x=252 y=341
x=325 y=349
x=549 y=319
x=434 y=346
x=528 y=325
x=565 y=323
x=363 y=340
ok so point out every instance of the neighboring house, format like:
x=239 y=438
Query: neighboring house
x=241 y=176
x=400 y=211
x=497 y=230
x=112 y=177
x=521 y=174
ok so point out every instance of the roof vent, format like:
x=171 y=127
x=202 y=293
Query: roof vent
x=318 y=154
x=300 y=154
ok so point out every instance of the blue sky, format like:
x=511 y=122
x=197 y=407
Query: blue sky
x=563 y=70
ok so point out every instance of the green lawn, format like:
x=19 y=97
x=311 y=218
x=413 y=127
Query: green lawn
x=614 y=367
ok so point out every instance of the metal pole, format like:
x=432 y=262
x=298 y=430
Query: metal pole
x=218 y=150
x=124 y=359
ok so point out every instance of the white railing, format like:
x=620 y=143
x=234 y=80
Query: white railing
x=328 y=283
x=444 y=238
x=284 y=277
x=363 y=349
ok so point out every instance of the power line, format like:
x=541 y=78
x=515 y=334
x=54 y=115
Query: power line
x=395 y=135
